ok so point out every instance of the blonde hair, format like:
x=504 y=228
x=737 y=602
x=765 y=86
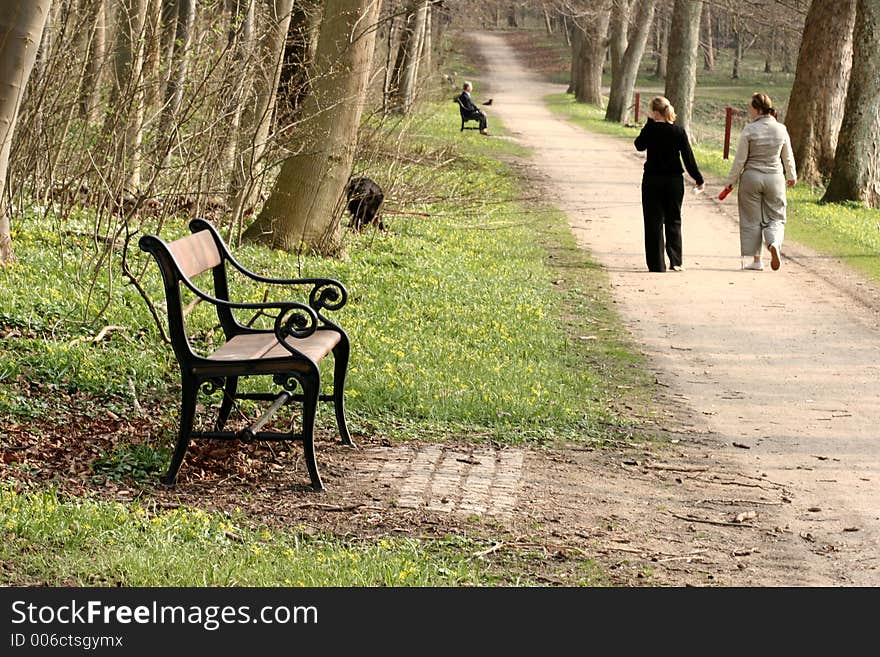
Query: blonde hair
x=664 y=107
x=762 y=103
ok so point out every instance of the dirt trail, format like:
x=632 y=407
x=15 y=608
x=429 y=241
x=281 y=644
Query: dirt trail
x=783 y=364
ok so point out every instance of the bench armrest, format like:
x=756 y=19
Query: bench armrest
x=293 y=319
x=326 y=293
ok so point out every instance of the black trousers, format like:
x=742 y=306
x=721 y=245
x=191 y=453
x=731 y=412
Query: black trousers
x=661 y=208
x=480 y=116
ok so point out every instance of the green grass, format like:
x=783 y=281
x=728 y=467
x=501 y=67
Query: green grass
x=476 y=316
x=63 y=541
x=454 y=316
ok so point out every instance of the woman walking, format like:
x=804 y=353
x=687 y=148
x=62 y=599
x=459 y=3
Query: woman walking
x=764 y=164
x=663 y=184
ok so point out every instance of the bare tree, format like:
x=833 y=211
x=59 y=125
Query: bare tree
x=95 y=53
x=241 y=38
x=618 y=28
x=818 y=95
x=681 y=63
x=708 y=41
x=589 y=49
x=21 y=28
x=299 y=53
x=410 y=49
x=257 y=117
x=184 y=21
x=303 y=209
x=623 y=82
x=127 y=100
x=153 y=54
x=661 y=45
x=856 y=172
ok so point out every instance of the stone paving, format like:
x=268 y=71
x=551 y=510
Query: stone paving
x=479 y=481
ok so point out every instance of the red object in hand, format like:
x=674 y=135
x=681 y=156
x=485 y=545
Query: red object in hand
x=724 y=193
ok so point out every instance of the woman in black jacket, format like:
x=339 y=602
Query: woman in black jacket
x=663 y=184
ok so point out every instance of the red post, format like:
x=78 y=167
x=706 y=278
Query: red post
x=638 y=98
x=728 y=119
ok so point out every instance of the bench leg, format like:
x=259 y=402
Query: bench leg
x=187 y=416
x=229 y=391
x=340 y=367
x=311 y=384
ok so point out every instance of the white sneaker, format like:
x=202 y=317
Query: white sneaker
x=754 y=266
x=677 y=268
x=774 y=256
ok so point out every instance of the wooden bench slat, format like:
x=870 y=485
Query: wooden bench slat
x=195 y=253
x=264 y=345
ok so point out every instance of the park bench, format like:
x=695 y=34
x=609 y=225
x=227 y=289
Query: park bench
x=466 y=116
x=289 y=353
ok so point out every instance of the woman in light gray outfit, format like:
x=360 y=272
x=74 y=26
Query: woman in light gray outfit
x=764 y=164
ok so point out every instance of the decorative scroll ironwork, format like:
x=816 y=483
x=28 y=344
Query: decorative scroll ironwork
x=289 y=381
x=212 y=385
x=294 y=322
x=329 y=295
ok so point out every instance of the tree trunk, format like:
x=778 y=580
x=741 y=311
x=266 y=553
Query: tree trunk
x=299 y=52
x=44 y=52
x=239 y=82
x=95 y=52
x=681 y=66
x=21 y=27
x=410 y=67
x=786 y=52
x=771 y=51
x=257 y=115
x=169 y=32
x=405 y=38
x=737 y=54
x=588 y=88
x=426 y=55
x=392 y=46
x=576 y=37
x=708 y=41
x=127 y=100
x=618 y=29
x=622 y=86
x=662 y=49
x=152 y=55
x=185 y=19
x=856 y=172
x=439 y=19
x=818 y=95
x=304 y=207
x=548 y=24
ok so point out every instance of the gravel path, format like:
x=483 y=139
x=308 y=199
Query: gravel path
x=784 y=364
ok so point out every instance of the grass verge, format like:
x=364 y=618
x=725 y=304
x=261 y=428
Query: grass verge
x=58 y=541
x=475 y=317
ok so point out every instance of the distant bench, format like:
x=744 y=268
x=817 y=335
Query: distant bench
x=289 y=352
x=466 y=116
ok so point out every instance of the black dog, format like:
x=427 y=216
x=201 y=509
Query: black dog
x=364 y=199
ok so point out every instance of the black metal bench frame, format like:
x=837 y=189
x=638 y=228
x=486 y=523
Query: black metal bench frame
x=466 y=116
x=289 y=352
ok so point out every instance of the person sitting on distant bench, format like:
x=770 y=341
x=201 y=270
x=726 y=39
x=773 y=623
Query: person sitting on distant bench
x=472 y=110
